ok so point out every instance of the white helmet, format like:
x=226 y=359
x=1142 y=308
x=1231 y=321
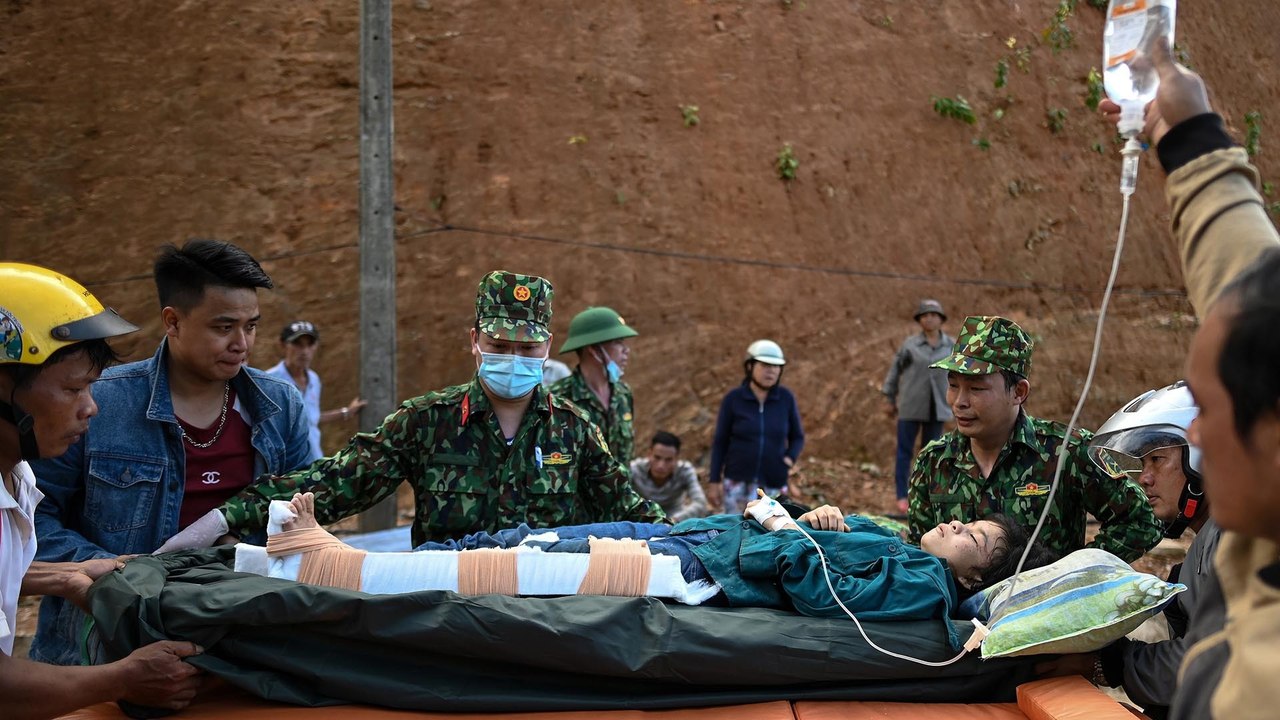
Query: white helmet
x=767 y=352
x=1153 y=420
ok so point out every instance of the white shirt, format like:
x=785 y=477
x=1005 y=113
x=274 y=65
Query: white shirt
x=17 y=546
x=310 y=402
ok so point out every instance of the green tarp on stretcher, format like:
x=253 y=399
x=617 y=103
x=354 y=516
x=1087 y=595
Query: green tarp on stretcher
x=439 y=651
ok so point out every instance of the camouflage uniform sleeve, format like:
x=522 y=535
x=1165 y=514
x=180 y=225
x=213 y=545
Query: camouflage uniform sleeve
x=1128 y=526
x=606 y=488
x=369 y=469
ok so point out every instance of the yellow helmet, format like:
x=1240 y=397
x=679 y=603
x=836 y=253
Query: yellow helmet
x=42 y=311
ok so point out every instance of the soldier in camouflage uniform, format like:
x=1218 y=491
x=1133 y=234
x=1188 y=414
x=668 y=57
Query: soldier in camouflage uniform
x=599 y=335
x=999 y=459
x=493 y=453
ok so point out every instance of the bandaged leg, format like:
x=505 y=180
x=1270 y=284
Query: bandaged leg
x=612 y=567
x=617 y=567
x=326 y=560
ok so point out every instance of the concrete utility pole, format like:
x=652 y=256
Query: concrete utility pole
x=377 y=234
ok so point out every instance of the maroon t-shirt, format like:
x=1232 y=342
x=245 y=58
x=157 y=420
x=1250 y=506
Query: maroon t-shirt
x=219 y=471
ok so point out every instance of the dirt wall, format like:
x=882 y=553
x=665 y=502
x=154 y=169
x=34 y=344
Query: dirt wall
x=556 y=128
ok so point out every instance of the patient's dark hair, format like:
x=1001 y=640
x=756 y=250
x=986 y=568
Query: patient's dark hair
x=1006 y=554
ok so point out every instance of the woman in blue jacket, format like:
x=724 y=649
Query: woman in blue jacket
x=758 y=433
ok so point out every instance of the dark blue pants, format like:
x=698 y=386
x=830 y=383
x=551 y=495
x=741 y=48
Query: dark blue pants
x=574 y=538
x=907 y=432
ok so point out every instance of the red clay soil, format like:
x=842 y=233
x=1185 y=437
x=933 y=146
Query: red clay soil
x=550 y=138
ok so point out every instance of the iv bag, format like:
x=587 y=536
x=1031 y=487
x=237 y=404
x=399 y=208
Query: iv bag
x=1128 y=75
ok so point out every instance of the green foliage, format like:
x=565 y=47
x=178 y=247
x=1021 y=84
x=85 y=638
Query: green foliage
x=982 y=143
x=1002 y=73
x=690 y=114
x=437 y=202
x=1182 y=55
x=1056 y=119
x=1022 y=58
x=885 y=21
x=621 y=197
x=1100 y=4
x=577 y=139
x=1059 y=35
x=1097 y=147
x=1268 y=189
x=1252 y=132
x=787 y=163
x=1093 y=88
x=956 y=108
x=1274 y=209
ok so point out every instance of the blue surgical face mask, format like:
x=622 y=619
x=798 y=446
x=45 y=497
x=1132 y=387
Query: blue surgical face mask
x=611 y=368
x=510 y=376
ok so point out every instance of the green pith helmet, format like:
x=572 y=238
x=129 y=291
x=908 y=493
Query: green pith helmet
x=987 y=345
x=514 y=307
x=596 y=325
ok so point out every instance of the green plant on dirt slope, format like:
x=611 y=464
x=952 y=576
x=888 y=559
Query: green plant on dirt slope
x=956 y=108
x=1059 y=35
x=1093 y=88
x=690 y=114
x=1002 y=73
x=787 y=164
x=1056 y=119
x=1252 y=132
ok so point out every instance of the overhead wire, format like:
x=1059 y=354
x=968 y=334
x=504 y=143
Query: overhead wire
x=437 y=227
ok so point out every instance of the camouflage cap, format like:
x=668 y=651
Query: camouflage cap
x=987 y=345
x=514 y=307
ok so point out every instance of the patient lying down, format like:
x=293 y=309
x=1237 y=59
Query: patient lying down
x=731 y=559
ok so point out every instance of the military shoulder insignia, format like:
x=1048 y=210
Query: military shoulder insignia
x=557 y=458
x=626 y=417
x=1031 y=490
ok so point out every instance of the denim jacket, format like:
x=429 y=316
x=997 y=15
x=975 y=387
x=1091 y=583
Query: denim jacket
x=119 y=489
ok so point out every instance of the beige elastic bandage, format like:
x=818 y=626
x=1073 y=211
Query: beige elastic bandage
x=326 y=560
x=618 y=567
x=489 y=571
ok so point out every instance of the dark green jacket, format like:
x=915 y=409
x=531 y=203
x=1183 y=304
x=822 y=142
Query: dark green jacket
x=875 y=574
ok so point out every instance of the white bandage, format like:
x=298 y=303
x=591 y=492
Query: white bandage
x=770 y=508
x=200 y=534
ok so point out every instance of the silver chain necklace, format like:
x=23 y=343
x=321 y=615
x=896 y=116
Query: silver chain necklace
x=222 y=422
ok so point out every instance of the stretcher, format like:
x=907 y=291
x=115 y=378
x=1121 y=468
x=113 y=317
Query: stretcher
x=1057 y=699
x=441 y=652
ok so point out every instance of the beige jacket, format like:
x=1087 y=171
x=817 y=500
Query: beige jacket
x=1232 y=670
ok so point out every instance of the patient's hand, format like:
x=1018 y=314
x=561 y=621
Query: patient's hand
x=826 y=517
x=304 y=506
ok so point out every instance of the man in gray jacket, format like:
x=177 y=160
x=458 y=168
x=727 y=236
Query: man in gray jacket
x=915 y=394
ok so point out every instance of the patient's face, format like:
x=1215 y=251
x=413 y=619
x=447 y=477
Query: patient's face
x=967 y=548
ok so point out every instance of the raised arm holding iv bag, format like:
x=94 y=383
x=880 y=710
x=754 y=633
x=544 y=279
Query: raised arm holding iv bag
x=1129 y=76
